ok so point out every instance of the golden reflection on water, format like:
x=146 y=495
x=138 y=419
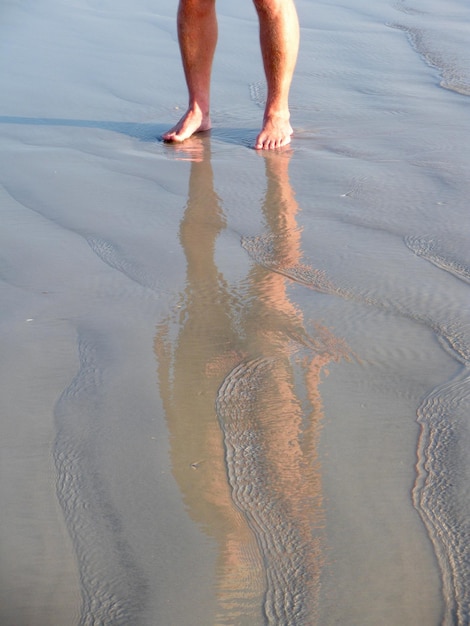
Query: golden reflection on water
x=219 y=330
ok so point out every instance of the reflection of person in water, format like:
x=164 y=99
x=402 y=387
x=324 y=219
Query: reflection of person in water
x=243 y=446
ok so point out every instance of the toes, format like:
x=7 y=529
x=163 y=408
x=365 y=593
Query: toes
x=266 y=143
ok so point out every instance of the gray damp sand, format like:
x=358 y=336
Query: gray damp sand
x=234 y=386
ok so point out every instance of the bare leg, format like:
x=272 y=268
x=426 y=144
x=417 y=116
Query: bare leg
x=279 y=38
x=197 y=36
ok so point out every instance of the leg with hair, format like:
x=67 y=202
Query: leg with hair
x=197 y=36
x=279 y=38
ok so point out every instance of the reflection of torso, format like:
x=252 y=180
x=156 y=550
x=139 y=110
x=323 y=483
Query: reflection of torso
x=243 y=450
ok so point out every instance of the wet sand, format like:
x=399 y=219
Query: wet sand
x=234 y=386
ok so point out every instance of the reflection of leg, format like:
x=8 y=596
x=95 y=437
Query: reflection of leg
x=271 y=481
x=279 y=37
x=197 y=35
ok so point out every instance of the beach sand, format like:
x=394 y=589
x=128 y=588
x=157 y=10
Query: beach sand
x=234 y=386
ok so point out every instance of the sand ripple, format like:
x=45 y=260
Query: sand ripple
x=112 y=586
x=443 y=468
x=289 y=553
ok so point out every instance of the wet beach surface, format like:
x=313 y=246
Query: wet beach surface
x=234 y=385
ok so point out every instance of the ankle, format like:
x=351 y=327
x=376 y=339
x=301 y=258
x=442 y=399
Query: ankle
x=199 y=109
x=277 y=110
x=281 y=115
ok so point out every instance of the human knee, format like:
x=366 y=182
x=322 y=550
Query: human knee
x=271 y=7
x=200 y=6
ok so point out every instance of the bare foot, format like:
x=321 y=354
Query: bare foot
x=276 y=133
x=193 y=121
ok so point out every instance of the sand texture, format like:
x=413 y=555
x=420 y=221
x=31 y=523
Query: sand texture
x=234 y=386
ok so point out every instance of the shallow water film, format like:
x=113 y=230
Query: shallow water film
x=235 y=385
